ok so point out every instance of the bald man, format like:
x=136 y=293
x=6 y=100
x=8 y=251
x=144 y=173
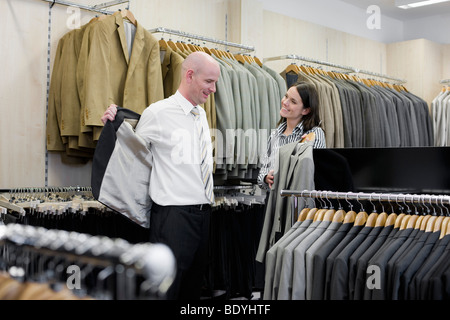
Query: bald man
x=181 y=208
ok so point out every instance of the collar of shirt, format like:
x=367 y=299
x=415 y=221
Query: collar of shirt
x=298 y=129
x=184 y=103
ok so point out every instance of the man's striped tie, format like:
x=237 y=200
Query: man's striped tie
x=205 y=168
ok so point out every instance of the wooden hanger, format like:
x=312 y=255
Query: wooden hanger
x=303 y=214
x=163 y=44
x=339 y=216
x=292 y=68
x=391 y=219
x=127 y=14
x=350 y=217
x=361 y=218
x=240 y=58
x=311 y=213
x=419 y=222
x=445 y=228
x=398 y=221
x=328 y=215
x=412 y=221
x=405 y=220
x=430 y=224
x=381 y=220
x=192 y=47
x=319 y=215
x=438 y=224
x=258 y=61
x=215 y=52
x=207 y=50
x=172 y=45
x=372 y=219
x=423 y=224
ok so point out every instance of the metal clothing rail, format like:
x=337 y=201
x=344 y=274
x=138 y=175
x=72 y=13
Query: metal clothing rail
x=96 y=8
x=389 y=197
x=296 y=57
x=379 y=75
x=233 y=187
x=444 y=81
x=346 y=68
x=144 y=259
x=202 y=38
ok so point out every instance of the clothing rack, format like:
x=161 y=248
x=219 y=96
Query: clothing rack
x=345 y=68
x=296 y=57
x=202 y=38
x=96 y=8
x=25 y=245
x=389 y=197
x=445 y=81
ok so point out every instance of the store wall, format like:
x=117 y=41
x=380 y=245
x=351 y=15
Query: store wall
x=292 y=36
x=24 y=161
x=421 y=63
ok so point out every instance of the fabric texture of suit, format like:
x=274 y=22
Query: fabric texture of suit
x=121 y=169
x=112 y=76
x=295 y=172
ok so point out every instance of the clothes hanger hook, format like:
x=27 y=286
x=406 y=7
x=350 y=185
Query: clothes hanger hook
x=362 y=207
x=349 y=203
x=370 y=200
x=381 y=203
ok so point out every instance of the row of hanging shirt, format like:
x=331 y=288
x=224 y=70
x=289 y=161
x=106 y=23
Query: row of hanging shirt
x=333 y=254
x=359 y=112
x=440 y=115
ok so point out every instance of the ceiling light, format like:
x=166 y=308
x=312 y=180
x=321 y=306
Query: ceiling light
x=407 y=4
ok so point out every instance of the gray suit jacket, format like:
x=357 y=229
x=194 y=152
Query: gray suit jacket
x=121 y=169
x=294 y=172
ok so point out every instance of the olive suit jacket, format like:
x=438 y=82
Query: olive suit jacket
x=112 y=76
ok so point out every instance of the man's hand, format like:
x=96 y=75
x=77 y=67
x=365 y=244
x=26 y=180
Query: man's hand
x=109 y=114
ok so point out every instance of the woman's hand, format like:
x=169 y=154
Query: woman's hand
x=269 y=179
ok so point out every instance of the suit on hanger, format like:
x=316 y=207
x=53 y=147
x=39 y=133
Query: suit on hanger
x=112 y=76
x=299 y=281
x=275 y=255
x=309 y=255
x=422 y=261
x=329 y=262
x=294 y=172
x=353 y=259
x=319 y=261
x=361 y=266
x=380 y=259
x=401 y=265
x=340 y=273
x=283 y=289
x=53 y=133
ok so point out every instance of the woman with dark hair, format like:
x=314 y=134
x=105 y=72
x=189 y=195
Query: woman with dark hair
x=299 y=117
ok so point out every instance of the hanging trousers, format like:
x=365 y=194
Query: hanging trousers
x=185 y=230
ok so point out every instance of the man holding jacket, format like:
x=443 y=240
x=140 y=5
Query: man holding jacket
x=177 y=133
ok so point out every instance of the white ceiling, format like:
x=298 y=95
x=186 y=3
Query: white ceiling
x=389 y=9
